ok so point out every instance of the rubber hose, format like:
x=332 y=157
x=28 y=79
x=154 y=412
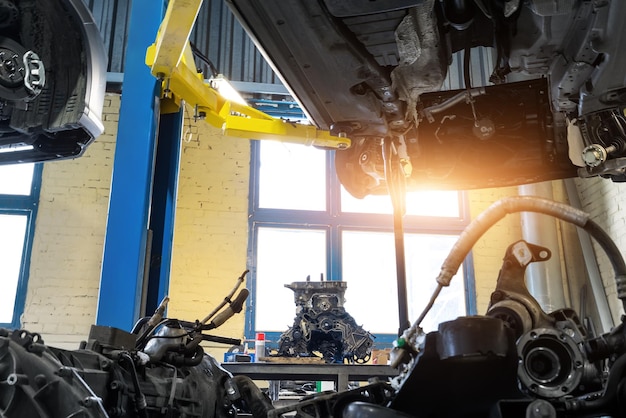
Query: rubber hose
x=612 y=385
x=503 y=207
x=140 y=399
x=179 y=360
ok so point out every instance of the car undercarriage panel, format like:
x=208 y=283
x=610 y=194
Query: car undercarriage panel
x=504 y=138
x=321 y=61
x=368 y=70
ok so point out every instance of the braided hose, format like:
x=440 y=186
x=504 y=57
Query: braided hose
x=514 y=204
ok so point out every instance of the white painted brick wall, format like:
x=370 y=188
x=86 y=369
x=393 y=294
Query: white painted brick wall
x=606 y=203
x=69 y=236
x=211 y=231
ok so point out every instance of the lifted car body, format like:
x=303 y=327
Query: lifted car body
x=374 y=70
x=52 y=80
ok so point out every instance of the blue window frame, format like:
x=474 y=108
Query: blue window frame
x=19 y=198
x=301 y=230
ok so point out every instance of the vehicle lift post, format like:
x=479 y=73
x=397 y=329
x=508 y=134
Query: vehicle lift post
x=142 y=201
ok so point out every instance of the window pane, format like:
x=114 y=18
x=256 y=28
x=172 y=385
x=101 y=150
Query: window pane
x=292 y=176
x=13 y=229
x=16 y=179
x=369 y=267
x=425 y=255
x=285 y=256
x=420 y=203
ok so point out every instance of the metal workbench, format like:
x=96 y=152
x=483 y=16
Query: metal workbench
x=341 y=374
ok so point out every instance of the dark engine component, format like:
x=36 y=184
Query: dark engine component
x=36 y=384
x=158 y=370
x=503 y=361
x=479 y=352
x=486 y=137
x=107 y=379
x=322 y=324
x=604 y=136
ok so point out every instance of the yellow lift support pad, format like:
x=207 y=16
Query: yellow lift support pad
x=171 y=60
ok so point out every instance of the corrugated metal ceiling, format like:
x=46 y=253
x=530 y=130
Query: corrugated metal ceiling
x=217 y=35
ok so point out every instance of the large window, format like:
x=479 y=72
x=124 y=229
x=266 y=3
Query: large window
x=304 y=224
x=19 y=195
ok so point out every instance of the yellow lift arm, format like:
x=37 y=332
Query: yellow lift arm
x=171 y=60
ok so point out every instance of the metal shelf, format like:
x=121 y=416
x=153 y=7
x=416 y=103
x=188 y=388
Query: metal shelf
x=341 y=374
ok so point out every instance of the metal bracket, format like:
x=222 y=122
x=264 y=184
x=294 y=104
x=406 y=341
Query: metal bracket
x=171 y=60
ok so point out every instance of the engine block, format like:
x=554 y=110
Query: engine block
x=107 y=379
x=323 y=325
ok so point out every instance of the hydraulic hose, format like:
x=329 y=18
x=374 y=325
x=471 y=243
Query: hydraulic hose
x=610 y=392
x=614 y=255
x=139 y=324
x=466 y=96
x=235 y=307
x=150 y=323
x=227 y=299
x=140 y=399
x=514 y=204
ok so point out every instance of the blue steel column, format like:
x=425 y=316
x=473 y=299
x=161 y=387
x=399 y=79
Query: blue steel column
x=164 y=206
x=129 y=205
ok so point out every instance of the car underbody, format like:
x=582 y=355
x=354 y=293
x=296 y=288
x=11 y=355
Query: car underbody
x=374 y=71
x=52 y=81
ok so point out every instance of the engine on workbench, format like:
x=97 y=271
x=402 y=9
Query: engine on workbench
x=323 y=325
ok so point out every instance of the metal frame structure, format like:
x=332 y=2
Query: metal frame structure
x=130 y=202
x=24 y=205
x=171 y=60
x=137 y=253
x=340 y=374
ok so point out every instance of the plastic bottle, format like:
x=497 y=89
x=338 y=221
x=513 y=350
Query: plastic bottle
x=259 y=346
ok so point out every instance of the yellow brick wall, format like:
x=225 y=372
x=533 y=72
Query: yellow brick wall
x=69 y=236
x=210 y=236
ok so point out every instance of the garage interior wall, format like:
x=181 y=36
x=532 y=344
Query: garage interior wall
x=605 y=201
x=62 y=291
x=210 y=241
